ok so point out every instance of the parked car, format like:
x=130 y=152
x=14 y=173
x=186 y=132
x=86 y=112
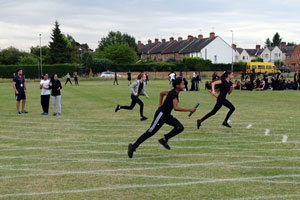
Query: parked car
x=109 y=75
x=285 y=69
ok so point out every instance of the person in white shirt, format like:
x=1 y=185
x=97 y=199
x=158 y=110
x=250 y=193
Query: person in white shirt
x=45 y=94
x=172 y=77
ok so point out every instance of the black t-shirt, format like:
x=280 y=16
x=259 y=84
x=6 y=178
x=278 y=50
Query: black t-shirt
x=167 y=106
x=140 y=88
x=20 y=81
x=224 y=88
x=55 y=85
x=129 y=75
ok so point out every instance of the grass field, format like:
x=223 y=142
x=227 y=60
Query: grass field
x=83 y=153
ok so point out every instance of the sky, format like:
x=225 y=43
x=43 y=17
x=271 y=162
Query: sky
x=21 y=21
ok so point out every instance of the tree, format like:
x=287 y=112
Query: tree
x=291 y=44
x=120 y=53
x=278 y=63
x=59 y=50
x=28 y=59
x=257 y=59
x=276 y=40
x=10 y=56
x=268 y=43
x=117 y=37
x=45 y=53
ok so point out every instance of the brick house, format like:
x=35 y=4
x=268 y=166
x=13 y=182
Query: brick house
x=293 y=59
x=212 y=48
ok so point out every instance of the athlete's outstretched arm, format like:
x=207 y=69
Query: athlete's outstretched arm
x=161 y=97
x=177 y=108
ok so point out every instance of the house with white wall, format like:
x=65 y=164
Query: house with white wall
x=272 y=54
x=213 y=48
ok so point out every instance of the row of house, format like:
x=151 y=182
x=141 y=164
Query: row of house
x=215 y=49
x=289 y=55
x=212 y=48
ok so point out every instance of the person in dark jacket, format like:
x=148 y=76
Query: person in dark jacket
x=116 y=79
x=56 y=87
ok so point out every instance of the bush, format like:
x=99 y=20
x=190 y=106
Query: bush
x=33 y=71
x=99 y=64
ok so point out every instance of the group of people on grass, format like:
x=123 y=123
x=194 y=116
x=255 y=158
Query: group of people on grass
x=163 y=113
x=48 y=88
x=261 y=82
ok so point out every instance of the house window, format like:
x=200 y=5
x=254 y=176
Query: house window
x=205 y=54
x=266 y=55
x=216 y=58
x=243 y=57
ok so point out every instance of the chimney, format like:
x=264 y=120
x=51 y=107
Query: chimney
x=149 y=41
x=156 y=40
x=171 y=39
x=179 y=39
x=200 y=37
x=234 y=46
x=163 y=40
x=257 y=47
x=140 y=45
x=190 y=37
x=212 y=35
x=283 y=44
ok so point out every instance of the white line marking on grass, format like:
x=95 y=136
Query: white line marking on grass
x=153 y=144
x=267 y=131
x=268 y=197
x=170 y=166
x=119 y=187
x=263 y=167
x=249 y=126
x=151 y=156
x=284 y=138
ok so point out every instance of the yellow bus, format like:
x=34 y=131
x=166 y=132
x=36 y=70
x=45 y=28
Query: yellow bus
x=261 y=67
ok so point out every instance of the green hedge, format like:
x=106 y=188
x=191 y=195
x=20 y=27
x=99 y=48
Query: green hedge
x=178 y=66
x=100 y=65
x=32 y=71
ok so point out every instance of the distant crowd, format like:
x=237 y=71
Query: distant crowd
x=261 y=82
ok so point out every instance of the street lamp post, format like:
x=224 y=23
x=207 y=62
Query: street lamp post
x=232 y=50
x=41 y=60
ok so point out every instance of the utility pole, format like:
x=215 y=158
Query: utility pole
x=41 y=60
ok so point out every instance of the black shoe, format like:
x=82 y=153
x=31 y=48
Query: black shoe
x=164 y=143
x=226 y=124
x=130 y=150
x=143 y=118
x=199 y=121
x=117 y=108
